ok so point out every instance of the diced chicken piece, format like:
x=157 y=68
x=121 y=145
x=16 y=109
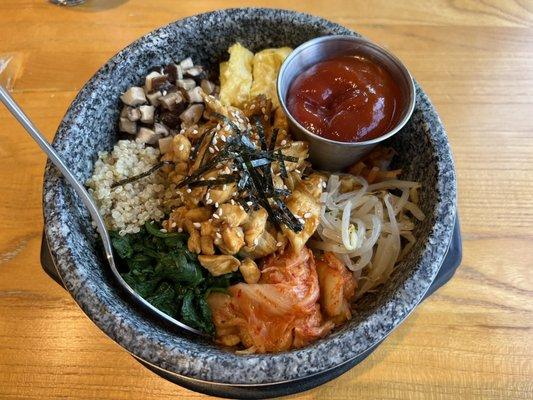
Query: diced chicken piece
x=208 y=248
x=134 y=96
x=233 y=239
x=127 y=126
x=219 y=265
x=186 y=84
x=294 y=149
x=222 y=193
x=147 y=114
x=192 y=114
x=198 y=214
x=147 y=136
x=250 y=271
x=305 y=203
x=207 y=86
x=195 y=95
x=232 y=214
x=165 y=145
x=186 y=63
x=255 y=226
x=181 y=146
x=264 y=245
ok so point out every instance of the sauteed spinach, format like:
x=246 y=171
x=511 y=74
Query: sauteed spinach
x=160 y=268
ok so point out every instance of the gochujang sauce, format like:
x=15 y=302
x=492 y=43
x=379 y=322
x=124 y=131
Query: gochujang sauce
x=347 y=99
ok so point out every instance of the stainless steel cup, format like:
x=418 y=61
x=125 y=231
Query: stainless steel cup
x=330 y=154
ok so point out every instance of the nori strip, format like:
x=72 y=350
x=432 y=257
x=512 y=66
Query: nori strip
x=141 y=175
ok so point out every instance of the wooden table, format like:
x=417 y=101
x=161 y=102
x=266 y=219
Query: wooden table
x=473 y=339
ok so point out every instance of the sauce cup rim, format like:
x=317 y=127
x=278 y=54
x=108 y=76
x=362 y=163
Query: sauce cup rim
x=321 y=39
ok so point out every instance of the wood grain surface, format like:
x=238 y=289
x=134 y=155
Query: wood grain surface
x=472 y=339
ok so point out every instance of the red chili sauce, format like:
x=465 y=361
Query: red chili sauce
x=347 y=99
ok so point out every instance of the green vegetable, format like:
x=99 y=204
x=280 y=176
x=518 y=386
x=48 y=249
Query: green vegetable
x=158 y=266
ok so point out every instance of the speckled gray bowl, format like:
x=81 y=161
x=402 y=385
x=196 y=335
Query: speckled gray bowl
x=90 y=126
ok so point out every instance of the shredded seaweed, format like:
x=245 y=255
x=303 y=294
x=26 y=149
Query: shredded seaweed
x=141 y=175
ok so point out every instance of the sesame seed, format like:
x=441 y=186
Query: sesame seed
x=180 y=230
x=283 y=142
x=241 y=207
x=252 y=106
x=256 y=241
x=189 y=190
x=249 y=203
x=297 y=171
x=208 y=194
x=181 y=147
x=307 y=215
x=218 y=235
x=219 y=211
x=324 y=185
x=301 y=220
x=216 y=147
x=279 y=244
x=209 y=201
x=216 y=204
x=263 y=110
x=197 y=225
x=173 y=225
x=216 y=215
x=223 y=138
x=195 y=131
x=211 y=150
x=163 y=230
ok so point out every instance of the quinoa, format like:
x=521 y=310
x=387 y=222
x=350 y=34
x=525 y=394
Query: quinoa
x=126 y=208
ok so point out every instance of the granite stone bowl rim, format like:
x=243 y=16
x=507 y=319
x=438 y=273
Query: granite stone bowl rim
x=55 y=211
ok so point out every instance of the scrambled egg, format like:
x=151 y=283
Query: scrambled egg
x=236 y=76
x=246 y=75
x=266 y=65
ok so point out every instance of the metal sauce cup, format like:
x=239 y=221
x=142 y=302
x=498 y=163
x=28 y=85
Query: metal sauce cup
x=331 y=154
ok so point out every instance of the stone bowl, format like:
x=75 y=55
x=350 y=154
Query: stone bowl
x=90 y=126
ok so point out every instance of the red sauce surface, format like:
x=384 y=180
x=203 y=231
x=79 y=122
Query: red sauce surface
x=347 y=99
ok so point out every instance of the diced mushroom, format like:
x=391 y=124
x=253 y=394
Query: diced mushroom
x=148 y=136
x=147 y=114
x=187 y=63
x=134 y=96
x=197 y=72
x=207 y=86
x=171 y=71
x=172 y=101
x=195 y=95
x=149 y=81
x=165 y=144
x=154 y=97
x=179 y=72
x=186 y=84
x=161 y=129
x=170 y=119
x=127 y=126
x=192 y=114
x=133 y=114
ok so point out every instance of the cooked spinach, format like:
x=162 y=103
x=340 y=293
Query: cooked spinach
x=158 y=266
